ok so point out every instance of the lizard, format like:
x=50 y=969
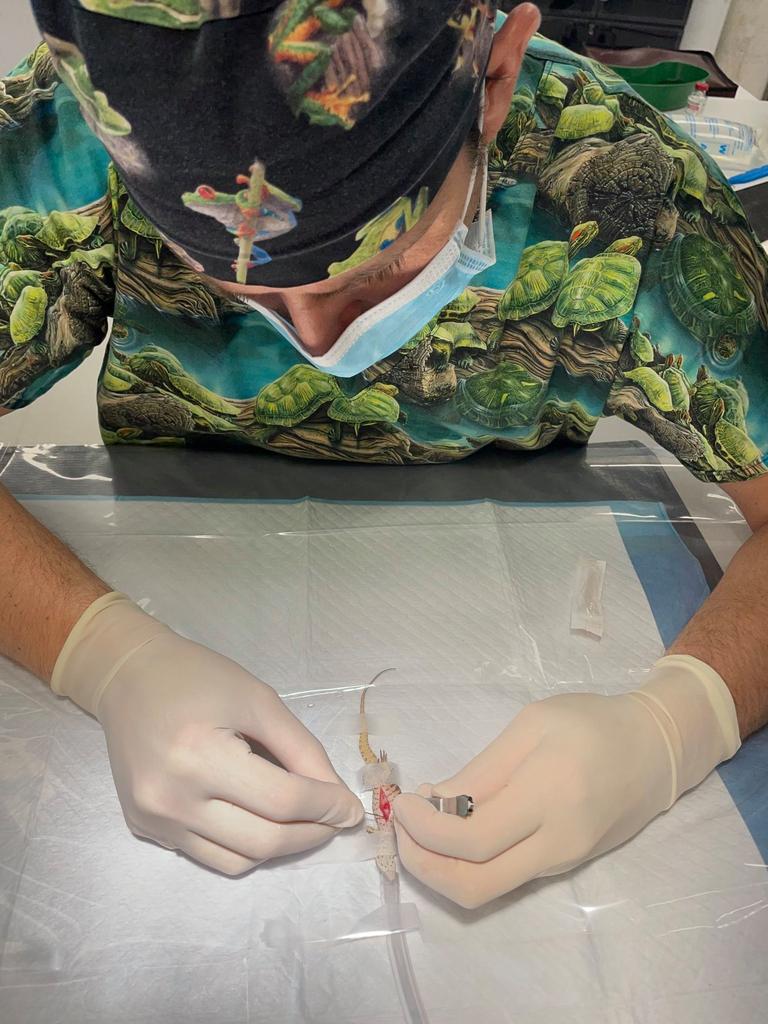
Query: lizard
x=383 y=794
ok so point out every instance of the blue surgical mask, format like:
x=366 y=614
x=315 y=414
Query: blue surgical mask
x=386 y=327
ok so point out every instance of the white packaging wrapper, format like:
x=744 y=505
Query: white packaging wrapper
x=587 y=604
x=379 y=774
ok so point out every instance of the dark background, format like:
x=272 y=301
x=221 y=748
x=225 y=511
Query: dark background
x=612 y=23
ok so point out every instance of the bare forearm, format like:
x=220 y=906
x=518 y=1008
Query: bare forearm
x=729 y=632
x=44 y=589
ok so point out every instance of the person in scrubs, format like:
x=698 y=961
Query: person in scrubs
x=372 y=231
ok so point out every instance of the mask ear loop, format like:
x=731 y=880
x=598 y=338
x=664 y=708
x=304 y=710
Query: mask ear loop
x=483 y=208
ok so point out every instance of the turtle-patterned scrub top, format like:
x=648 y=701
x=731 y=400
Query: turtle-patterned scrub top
x=628 y=283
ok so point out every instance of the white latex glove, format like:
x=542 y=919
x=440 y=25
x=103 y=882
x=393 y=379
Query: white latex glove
x=570 y=778
x=174 y=714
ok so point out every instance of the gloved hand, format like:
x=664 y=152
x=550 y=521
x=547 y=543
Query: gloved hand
x=571 y=777
x=174 y=714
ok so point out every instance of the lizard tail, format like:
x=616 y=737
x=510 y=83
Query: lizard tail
x=364 y=745
x=367 y=687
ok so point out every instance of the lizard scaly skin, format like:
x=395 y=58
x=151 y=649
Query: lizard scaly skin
x=383 y=795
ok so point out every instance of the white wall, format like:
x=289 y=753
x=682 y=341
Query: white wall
x=18 y=32
x=743 y=45
x=736 y=32
x=705 y=23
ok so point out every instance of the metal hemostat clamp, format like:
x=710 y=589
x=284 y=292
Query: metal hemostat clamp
x=462 y=806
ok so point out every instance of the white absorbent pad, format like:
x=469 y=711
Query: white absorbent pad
x=470 y=605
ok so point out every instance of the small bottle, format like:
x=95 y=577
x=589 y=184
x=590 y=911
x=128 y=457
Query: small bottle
x=698 y=98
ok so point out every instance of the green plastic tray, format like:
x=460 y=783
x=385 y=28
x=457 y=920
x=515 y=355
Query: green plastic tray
x=667 y=85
